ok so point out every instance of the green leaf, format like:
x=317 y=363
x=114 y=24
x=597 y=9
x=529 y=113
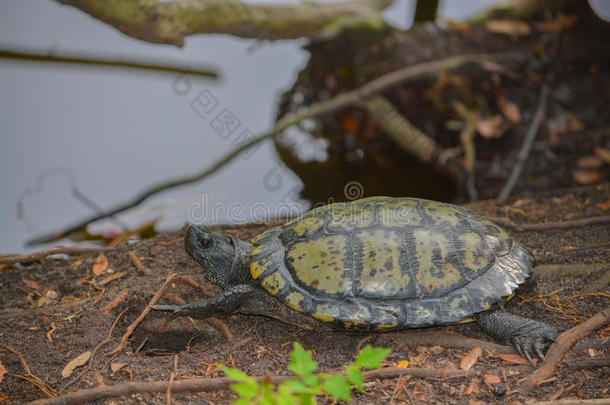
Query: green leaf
x=296 y=386
x=237 y=375
x=312 y=380
x=287 y=399
x=245 y=390
x=307 y=399
x=371 y=357
x=355 y=376
x=338 y=387
x=301 y=362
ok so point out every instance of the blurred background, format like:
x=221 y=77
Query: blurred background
x=75 y=140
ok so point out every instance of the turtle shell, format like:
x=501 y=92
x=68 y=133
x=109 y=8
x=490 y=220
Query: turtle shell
x=386 y=263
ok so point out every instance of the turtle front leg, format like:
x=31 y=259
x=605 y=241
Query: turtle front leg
x=222 y=305
x=528 y=336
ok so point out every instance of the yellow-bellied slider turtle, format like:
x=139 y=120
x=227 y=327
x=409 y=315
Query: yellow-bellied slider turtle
x=375 y=264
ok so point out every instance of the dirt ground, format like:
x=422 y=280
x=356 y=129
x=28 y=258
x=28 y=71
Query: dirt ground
x=52 y=311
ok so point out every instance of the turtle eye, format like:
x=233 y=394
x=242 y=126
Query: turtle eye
x=205 y=240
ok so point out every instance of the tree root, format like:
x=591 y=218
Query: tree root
x=449 y=339
x=563 y=342
x=213 y=384
x=544 y=226
x=63 y=250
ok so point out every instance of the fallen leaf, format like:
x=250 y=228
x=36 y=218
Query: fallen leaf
x=562 y=123
x=112 y=277
x=470 y=358
x=604 y=206
x=475 y=402
x=402 y=363
x=605 y=333
x=559 y=24
x=516 y=359
x=472 y=387
x=586 y=177
x=114 y=367
x=508 y=27
x=76 y=362
x=35 y=285
x=100 y=265
x=50 y=332
x=491 y=379
x=509 y=110
x=603 y=154
x=3 y=371
x=490 y=127
x=589 y=162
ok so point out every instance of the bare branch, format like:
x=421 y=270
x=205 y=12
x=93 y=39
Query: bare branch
x=170 y=22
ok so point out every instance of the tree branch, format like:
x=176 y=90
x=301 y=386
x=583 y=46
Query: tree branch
x=104 y=62
x=171 y=21
x=214 y=384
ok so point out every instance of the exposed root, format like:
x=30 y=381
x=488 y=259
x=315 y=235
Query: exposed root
x=138 y=264
x=29 y=376
x=560 y=347
x=449 y=339
x=153 y=301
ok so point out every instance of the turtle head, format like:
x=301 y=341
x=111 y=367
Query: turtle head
x=224 y=258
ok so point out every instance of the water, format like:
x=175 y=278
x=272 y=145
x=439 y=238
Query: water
x=110 y=133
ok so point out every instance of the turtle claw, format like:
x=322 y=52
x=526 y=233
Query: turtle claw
x=535 y=340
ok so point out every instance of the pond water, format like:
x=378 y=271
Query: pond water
x=74 y=140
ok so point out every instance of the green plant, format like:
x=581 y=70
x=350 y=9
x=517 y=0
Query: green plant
x=305 y=386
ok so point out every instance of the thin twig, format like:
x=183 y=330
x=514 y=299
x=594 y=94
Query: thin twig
x=351 y=98
x=108 y=339
x=214 y=384
x=563 y=342
x=76 y=59
x=62 y=250
x=528 y=141
x=173 y=374
x=145 y=312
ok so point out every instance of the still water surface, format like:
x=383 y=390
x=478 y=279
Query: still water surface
x=110 y=133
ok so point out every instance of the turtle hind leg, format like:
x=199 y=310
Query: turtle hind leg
x=226 y=304
x=528 y=336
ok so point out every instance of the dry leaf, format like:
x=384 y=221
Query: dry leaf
x=76 y=362
x=470 y=358
x=589 y=162
x=604 y=206
x=100 y=265
x=114 y=367
x=3 y=371
x=558 y=24
x=509 y=110
x=490 y=127
x=475 y=402
x=111 y=277
x=50 y=332
x=605 y=333
x=508 y=27
x=35 y=285
x=402 y=363
x=491 y=379
x=516 y=359
x=586 y=177
x=603 y=154
x=472 y=387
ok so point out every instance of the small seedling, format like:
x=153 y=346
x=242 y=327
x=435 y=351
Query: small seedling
x=306 y=386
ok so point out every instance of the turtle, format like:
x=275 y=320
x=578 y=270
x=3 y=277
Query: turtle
x=374 y=264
